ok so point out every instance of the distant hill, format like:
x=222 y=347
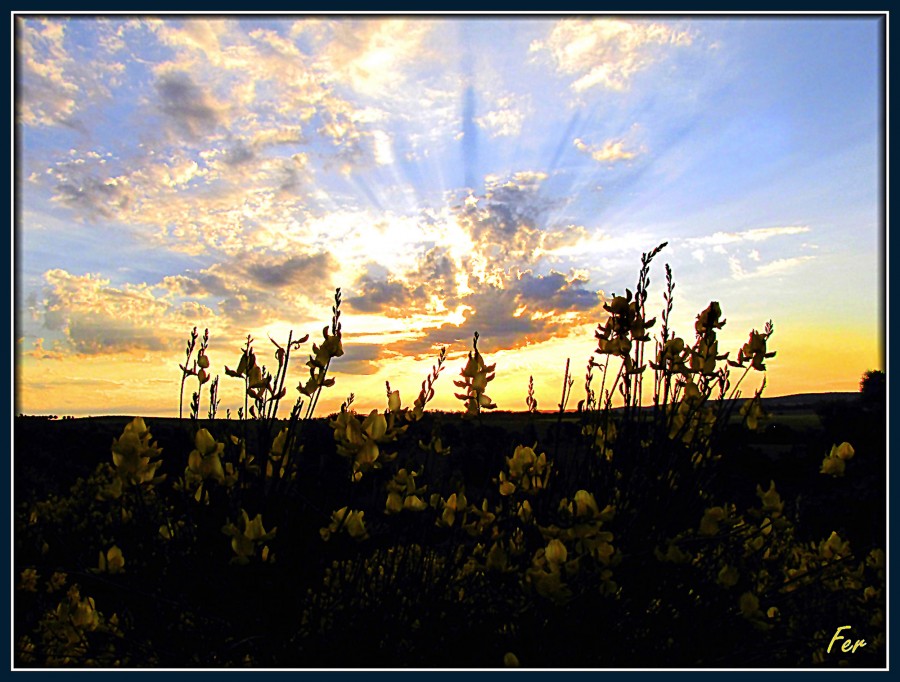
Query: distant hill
x=808 y=400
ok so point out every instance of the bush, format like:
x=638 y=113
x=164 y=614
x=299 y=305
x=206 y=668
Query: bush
x=395 y=538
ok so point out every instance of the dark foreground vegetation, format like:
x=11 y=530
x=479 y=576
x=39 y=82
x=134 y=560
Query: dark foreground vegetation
x=702 y=530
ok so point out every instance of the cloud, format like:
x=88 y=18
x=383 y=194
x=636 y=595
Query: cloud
x=609 y=152
x=298 y=272
x=505 y=223
x=607 y=53
x=390 y=297
x=375 y=57
x=754 y=235
x=359 y=358
x=773 y=268
x=53 y=87
x=191 y=108
x=522 y=310
x=95 y=318
x=505 y=119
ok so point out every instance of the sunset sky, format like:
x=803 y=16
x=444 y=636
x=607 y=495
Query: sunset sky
x=498 y=173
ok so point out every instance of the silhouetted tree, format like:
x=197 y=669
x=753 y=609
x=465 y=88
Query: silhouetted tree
x=873 y=387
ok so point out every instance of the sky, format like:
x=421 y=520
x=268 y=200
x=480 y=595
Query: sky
x=498 y=174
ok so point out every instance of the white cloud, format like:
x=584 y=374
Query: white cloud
x=755 y=235
x=774 y=268
x=607 y=52
x=609 y=152
x=505 y=119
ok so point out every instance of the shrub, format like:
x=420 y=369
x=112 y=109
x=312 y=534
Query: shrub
x=403 y=541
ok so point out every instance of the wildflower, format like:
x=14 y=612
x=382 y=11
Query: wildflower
x=112 y=562
x=752 y=412
x=394 y=401
x=527 y=471
x=28 y=580
x=350 y=521
x=414 y=503
x=475 y=377
x=692 y=416
x=246 y=535
x=842 y=451
x=755 y=350
x=483 y=518
x=453 y=504
x=708 y=321
x=771 y=500
x=709 y=524
x=835 y=463
x=204 y=461
x=133 y=455
x=704 y=356
x=497 y=558
x=394 y=503
x=545 y=575
x=361 y=441
x=556 y=552
x=604 y=439
x=57 y=581
x=834 y=547
x=728 y=576
x=586 y=505
x=671 y=357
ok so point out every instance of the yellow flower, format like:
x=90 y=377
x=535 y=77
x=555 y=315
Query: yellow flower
x=497 y=558
x=414 y=503
x=752 y=411
x=453 y=504
x=204 y=461
x=771 y=500
x=28 y=580
x=585 y=504
x=394 y=401
x=113 y=561
x=57 y=581
x=246 y=535
x=709 y=524
x=842 y=451
x=348 y=520
x=133 y=455
x=708 y=320
x=475 y=377
x=728 y=576
x=834 y=547
x=556 y=552
x=394 y=503
x=755 y=350
x=833 y=466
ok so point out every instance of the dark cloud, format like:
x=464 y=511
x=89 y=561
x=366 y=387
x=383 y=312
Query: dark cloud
x=189 y=107
x=509 y=221
x=555 y=292
x=94 y=334
x=296 y=271
x=437 y=272
x=91 y=197
x=358 y=358
x=383 y=296
x=506 y=316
